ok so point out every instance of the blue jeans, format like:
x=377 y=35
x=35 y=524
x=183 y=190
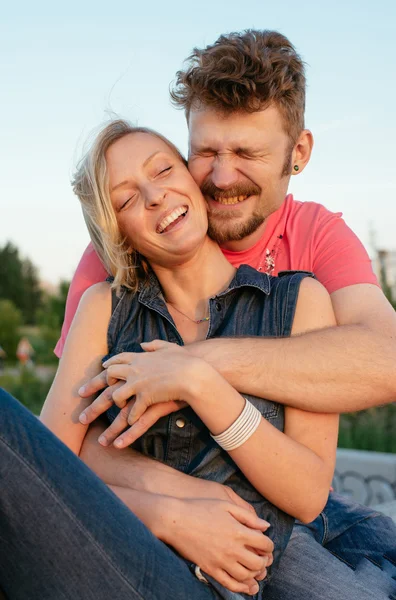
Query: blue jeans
x=65 y=536
x=348 y=552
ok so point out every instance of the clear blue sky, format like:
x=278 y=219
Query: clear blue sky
x=64 y=67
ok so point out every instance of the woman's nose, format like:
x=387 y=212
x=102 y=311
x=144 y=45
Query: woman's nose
x=154 y=196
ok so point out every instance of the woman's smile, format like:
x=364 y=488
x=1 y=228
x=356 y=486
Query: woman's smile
x=172 y=219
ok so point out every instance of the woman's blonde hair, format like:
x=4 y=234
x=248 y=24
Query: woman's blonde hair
x=91 y=185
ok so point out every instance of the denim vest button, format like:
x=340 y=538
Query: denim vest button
x=180 y=423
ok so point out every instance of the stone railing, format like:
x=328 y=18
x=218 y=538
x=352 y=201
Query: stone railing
x=368 y=477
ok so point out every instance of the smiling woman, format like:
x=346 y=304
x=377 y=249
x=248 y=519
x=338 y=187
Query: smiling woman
x=91 y=183
x=154 y=198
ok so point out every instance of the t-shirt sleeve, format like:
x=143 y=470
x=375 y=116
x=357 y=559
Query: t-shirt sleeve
x=339 y=257
x=89 y=271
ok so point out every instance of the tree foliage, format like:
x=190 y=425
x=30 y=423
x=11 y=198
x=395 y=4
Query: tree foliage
x=10 y=322
x=27 y=304
x=50 y=319
x=19 y=282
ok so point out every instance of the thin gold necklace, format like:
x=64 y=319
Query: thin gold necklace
x=197 y=322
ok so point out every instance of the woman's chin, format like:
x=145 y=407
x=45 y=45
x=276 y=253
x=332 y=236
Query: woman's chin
x=178 y=254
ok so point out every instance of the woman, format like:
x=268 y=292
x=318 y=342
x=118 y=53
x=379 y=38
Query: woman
x=138 y=197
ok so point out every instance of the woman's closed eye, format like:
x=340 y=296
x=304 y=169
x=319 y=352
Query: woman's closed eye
x=164 y=171
x=125 y=203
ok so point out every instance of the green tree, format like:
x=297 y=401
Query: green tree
x=32 y=294
x=19 y=282
x=11 y=283
x=52 y=309
x=10 y=321
x=50 y=319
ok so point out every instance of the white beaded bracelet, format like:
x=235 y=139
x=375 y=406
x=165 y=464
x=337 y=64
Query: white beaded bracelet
x=241 y=429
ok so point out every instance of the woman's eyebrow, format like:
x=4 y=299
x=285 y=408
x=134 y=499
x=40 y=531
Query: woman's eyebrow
x=127 y=181
x=150 y=158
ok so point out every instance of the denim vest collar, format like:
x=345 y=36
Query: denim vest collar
x=245 y=276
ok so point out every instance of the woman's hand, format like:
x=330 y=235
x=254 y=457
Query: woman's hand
x=225 y=540
x=147 y=420
x=160 y=375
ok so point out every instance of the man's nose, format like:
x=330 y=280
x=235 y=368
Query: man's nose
x=224 y=175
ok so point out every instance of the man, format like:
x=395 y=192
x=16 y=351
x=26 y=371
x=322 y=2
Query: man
x=244 y=100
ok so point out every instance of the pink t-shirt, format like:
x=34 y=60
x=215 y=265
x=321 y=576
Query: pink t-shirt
x=299 y=236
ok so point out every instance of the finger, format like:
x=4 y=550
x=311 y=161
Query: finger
x=93 y=385
x=262 y=575
x=238 y=500
x=100 y=405
x=270 y=559
x=138 y=409
x=156 y=345
x=252 y=561
x=147 y=420
x=241 y=574
x=156 y=411
x=268 y=555
x=123 y=394
x=118 y=426
x=258 y=540
x=119 y=371
x=119 y=359
x=230 y=583
x=246 y=517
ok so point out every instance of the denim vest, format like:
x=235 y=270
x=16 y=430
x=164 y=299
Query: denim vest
x=254 y=304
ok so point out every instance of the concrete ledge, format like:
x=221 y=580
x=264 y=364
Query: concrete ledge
x=368 y=477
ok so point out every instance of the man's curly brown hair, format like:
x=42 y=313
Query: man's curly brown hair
x=245 y=71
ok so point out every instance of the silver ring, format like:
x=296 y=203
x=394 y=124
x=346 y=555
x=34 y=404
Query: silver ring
x=198 y=575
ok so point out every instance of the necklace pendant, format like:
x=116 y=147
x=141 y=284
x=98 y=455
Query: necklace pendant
x=202 y=320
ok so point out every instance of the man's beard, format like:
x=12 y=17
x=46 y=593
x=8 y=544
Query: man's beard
x=225 y=231
x=221 y=227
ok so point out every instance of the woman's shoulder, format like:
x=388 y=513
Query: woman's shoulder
x=97 y=294
x=314 y=309
x=96 y=301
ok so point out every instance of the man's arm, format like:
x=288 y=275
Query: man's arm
x=340 y=369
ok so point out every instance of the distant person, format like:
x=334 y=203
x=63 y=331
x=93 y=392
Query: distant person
x=24 y=352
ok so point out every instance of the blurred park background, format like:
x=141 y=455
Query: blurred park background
x=66 y=68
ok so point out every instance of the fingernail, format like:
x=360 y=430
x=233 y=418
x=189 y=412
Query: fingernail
x=102 y=440
x=119 y=443
x=104 y=365
x=265 y=522
x=83 y=418
x=254 y=589
x=81 y=390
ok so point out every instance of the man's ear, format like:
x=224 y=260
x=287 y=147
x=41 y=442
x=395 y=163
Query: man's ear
x=302 y=151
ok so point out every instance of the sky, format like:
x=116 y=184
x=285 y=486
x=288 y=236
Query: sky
x=65 y=69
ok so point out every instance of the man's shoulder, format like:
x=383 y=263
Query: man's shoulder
x=307 y=219
x=314 y=211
